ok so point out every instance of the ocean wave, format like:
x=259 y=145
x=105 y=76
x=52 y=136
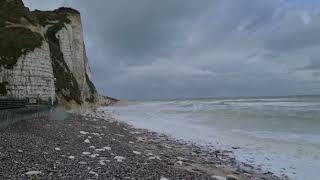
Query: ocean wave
x=274 y=133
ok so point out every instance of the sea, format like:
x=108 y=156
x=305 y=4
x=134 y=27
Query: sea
x=277 y=134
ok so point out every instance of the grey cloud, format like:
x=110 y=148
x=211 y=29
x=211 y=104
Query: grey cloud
x=314 y=64
x=316 y=74
x=291 y=33
x=146 y=49
x=141 y=30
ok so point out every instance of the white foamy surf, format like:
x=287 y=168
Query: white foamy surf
x=281 y=135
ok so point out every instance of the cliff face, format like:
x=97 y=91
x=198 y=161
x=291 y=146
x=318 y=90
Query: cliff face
x=42 y=55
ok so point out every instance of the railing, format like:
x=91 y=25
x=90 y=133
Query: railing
x=13 y=110
x=31 y=113
x=13 y=115
x=12 y=103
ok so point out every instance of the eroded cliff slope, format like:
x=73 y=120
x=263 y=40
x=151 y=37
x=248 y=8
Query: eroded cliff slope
x=42 y=55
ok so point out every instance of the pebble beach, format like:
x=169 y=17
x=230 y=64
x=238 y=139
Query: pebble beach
x=94 y=145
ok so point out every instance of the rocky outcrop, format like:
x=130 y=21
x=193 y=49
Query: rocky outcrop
x=107 y=101
x=42 y=55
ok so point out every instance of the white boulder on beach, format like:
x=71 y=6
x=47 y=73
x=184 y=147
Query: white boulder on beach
x=31 y=173
x=136 y=152
x=119 y=158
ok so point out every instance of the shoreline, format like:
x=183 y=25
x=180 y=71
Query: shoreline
x=94 y=145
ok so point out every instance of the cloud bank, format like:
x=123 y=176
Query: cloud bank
x=146 y=49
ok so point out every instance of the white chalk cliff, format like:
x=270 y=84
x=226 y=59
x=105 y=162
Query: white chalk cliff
x=42 y=55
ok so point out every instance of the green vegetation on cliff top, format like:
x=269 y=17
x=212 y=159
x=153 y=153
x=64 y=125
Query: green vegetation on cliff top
x=16 y=41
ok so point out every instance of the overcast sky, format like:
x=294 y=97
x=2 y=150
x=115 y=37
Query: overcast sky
x=150 y=49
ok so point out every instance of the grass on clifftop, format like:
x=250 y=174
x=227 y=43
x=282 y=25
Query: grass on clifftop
x=16 y=41
x=13 y=10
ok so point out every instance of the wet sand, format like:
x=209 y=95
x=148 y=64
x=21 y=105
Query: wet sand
x=94 y=145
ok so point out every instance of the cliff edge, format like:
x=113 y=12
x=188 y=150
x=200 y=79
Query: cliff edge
x=43 y=56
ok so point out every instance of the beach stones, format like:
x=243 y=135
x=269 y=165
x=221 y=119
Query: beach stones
x=119 y=158
x=103 y=162
x=218 y=178
x=136 y=152
x=71 y=157
x=155 y=157
x=232 y=177
x=94 y=155
x=86 y=153
x=83 y=132
x=94 y=173
x=32 y=173
x=179 y=163
x=139 y=160
x=107 y=148
x=82 y=163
